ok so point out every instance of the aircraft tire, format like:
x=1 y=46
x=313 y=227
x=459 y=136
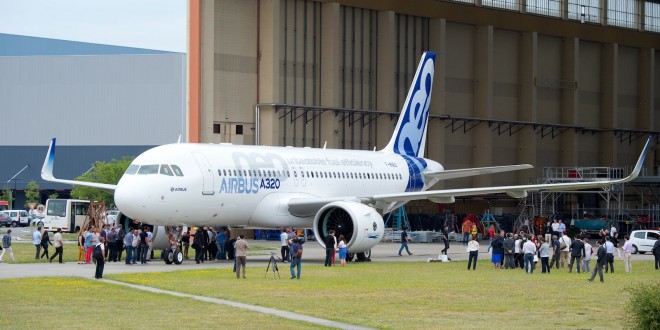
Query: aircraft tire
x=178 y=257
x=363 y=256
x=168 y=255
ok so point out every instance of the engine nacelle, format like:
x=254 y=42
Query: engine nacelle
x=360 y=224
x=161 y=237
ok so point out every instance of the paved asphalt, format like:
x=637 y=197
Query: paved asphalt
x=314 y=254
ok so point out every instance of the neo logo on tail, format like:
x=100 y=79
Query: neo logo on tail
x=410 y=132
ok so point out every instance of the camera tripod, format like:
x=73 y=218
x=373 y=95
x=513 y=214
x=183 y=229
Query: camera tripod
x=272 y=265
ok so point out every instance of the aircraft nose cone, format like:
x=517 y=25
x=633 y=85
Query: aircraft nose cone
x=127 y=200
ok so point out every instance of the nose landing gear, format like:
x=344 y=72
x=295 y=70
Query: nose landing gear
x=173 y=256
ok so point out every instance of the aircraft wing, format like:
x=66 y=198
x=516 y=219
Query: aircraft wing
x=47 y=173
x=518 y=191
x=461 y=173
x=308 y=206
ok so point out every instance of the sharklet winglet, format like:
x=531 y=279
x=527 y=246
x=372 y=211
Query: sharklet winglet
x=47 y=168
x=47 y=172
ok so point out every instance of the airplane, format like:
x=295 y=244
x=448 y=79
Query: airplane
x=189 y=184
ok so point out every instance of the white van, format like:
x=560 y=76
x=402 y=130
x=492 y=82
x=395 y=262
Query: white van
x=18 y=217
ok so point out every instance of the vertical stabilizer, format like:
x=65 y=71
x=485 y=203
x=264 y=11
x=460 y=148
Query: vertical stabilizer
x=410 y=132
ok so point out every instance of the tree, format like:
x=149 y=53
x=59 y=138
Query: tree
x=6 y=195
x=32 y=194
x=53 y=196
x=101 y=172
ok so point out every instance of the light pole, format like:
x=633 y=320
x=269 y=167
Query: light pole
x=15 y=179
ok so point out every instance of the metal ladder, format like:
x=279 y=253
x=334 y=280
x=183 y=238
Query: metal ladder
x=400 y=217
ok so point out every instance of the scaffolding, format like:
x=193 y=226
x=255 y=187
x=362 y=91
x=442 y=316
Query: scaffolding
x=488 y=219
x=550 y=203
x=398 y=219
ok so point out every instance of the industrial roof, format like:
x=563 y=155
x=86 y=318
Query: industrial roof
x=16 y=45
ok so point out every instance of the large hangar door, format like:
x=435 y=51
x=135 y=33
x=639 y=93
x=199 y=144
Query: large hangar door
x=207 y=174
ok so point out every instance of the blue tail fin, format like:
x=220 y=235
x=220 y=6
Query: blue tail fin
x=410 y=133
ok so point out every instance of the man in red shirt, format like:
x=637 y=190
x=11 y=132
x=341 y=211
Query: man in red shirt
x=491 y=234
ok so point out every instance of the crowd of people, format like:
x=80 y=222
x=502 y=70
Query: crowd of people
x=554 y=249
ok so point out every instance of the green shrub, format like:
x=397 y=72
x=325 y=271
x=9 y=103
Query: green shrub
x=643 y=310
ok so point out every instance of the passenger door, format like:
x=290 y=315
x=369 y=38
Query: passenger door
x=207 y=173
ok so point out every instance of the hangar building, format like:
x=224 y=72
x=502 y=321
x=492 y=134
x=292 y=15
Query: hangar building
x=557 y=84
x=101 y=102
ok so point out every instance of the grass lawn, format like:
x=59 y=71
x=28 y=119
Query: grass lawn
x=393 y=295
x=423 y=295
x=71 y=303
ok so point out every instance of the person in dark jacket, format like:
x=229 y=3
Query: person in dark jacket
x=45 y=241
x=509 y=249
x=404 y=242
x=199 y=242
x=656 y=253
x=329 y=247
x=445 y=239
x=602 y=259
x=577 y=253
x=498 y=250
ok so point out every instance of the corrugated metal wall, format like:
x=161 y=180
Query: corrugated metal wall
x=92 y=100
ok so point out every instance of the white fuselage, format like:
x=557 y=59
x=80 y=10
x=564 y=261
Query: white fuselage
x=222 y=184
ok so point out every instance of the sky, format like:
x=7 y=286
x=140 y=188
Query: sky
x=150 y=24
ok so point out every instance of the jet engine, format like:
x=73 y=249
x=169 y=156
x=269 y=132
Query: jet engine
x=360 y=224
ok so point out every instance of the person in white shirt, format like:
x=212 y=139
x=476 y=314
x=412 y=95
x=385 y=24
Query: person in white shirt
x=284 y=241
x=59 y=248
x=555 y=228
x=473 y=249
x=36 y=240
x=150 y=238
x=544 y=254
x=613 y=230
x=627 y=254
x=588 y=251
x=529 y=250
x=609 y=250
x=565 y=251
x=516 y=250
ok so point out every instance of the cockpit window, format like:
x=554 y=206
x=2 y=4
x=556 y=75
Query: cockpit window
x=148 y=169
x=177 y=170
x=165 y=169
x=132 y=169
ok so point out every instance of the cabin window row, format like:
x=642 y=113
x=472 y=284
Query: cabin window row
x=309 y=174
x=164 y=169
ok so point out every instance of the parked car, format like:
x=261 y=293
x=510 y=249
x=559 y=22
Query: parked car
x=18 y=217
x=5 y=220
x=643 y=240
x=37 y=220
